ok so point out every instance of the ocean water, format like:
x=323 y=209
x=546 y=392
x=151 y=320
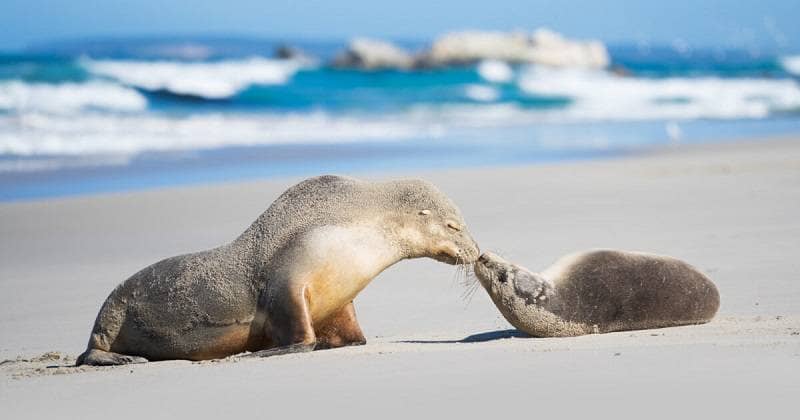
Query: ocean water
x=88 y=117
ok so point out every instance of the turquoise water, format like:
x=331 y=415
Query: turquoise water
x=98 y=117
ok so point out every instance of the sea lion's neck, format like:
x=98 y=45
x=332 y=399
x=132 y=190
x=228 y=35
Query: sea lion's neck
x=386 y=237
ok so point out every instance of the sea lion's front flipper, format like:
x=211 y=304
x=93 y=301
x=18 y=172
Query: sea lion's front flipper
x=97 y=357
x=340 y=329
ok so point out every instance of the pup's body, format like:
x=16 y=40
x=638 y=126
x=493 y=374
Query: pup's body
x=597 y=292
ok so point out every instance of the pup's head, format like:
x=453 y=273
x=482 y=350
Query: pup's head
x=503 y=279
x=493 y=271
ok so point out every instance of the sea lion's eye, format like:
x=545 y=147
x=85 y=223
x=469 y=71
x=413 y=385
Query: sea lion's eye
x=454 y=226
x=424 y=212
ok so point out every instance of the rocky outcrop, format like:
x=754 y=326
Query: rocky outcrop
x=288 y=52
x=543 y=47
x=371 y=54
x=550 y=48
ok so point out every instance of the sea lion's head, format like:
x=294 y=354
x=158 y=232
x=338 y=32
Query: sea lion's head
x=430 y=225
x=503 y=279
x=494 y=272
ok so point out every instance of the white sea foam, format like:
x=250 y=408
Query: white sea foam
x=68 y=97
x=602 y=95
x=212 y=80
x=36 y=134
x=124 y=134
x=73 y=119
x=449 y=118
x=791 y=64
x=52 y=163
x=481 y=93
x=495 y=71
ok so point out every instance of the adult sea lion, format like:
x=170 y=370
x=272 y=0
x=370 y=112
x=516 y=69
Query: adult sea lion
x=286 y=284
x=597 y=292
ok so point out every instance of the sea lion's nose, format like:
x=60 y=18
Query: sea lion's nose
x=483 y=259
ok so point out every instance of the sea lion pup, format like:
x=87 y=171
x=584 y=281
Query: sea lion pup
x=598 y=292
x=287 y=284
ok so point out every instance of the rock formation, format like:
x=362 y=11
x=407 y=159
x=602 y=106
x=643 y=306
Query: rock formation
x=543 y=47
x=371 y=54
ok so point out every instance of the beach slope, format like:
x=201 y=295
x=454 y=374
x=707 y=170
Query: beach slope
x=731 y=210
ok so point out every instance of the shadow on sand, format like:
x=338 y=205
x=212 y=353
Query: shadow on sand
x=475 y=338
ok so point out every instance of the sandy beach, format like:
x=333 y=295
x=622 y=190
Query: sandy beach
x=730 y=209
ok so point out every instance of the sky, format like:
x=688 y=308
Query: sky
x=752 y=24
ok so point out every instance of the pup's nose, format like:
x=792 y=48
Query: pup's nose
x=482 y=259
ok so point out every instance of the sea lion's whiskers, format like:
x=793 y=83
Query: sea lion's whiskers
x=457 y=275
x=460 y=270
x=470 y=282
x=470 y=293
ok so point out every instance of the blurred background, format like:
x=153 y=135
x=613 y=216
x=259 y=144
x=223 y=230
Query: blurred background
x=113 y=96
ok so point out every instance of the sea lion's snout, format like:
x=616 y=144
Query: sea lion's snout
x=457 y=246
x=457 y=252
x=490 y=259
x=471 y=250
x=490 y=267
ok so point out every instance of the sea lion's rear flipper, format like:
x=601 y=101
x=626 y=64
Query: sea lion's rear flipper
x=97 y=357
x=279 y=351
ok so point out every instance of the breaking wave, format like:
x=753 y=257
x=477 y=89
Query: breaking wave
x=791 y=64
x=481 y=93
x=210 y=80
x=64 y=98
x=495 y=71
x=110 y=110
x=35 y=134
x=603 y=95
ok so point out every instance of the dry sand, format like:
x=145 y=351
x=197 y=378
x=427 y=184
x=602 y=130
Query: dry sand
x=731 y=210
